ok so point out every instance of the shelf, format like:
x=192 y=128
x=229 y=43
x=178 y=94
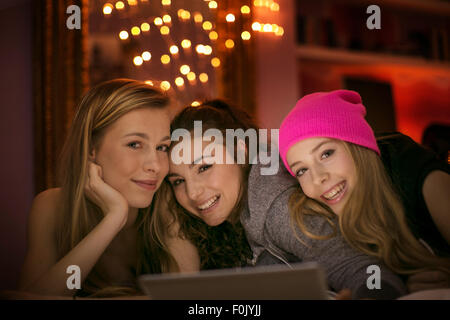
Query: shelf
x=357 y=57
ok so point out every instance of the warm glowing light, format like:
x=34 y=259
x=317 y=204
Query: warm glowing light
x=146 y=55
x=275 y=6
x=165 y=85
x=212 y=5
x=123 y=35
x=215 y=62
x=279 y=32
x=186 y=43
x=179 y=81
x=256 y=26
x=195 y=103
x=185 y=15
x=246 y=35
x=165 y=59
x=229 y=43
x=180 y=13
x=207 y=25
x=164 y=30
x=132 y=2
x=203 y=77
x=207 y=50
x=230 y=17
x=258 y=3
x=184 y=69
x=200 y=48
x=120 y=5
x=165 y=2
x=213 y=35
x=190 y=76
x=245 y=9
x=107 y=8
x=173 y=49
x=149 y=82
x=198 y=17
x=135 y=31
x=167 y=19
x=158 y=21
x=267 y=27
x=145 y=27
x=137 y=60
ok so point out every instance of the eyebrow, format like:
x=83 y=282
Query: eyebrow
x=143 y=135
x=312 y=151
x=198 y=160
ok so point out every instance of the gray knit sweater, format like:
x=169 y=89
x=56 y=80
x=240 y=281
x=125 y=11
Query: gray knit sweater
x=269 y=231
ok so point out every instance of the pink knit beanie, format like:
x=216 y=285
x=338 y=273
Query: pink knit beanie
x=337 y=114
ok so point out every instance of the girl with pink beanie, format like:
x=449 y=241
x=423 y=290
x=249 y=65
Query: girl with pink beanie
x=328 y=146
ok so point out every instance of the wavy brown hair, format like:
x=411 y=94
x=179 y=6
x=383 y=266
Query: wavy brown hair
x=100 y=108
x=226 y=245
x=373 y=220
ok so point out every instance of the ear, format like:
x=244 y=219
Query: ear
x=92 y=155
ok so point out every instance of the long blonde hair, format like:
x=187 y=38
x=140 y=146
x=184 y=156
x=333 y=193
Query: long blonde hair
x=100 y=108
x=373 y=219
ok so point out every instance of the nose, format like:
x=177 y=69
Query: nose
x=319 y=175
x=194 y=190
x=152 y=163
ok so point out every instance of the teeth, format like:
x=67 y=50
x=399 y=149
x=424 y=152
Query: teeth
x=209 y=203
x=333 y=193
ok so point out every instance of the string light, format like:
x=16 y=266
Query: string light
x=212 y=5
x=145 y=27
x=165 y=2
x=203 y=77
x=173 y=49
x=213 y=35
x=123 y=35
x=186 y=43
x=138 y=61
x=207 y=50
x=165 y=59
x=256 y=26
x=167 y=19
x=198 y=18
x=164 y=30
x=245 y=9
x=120 y=5
x=158 y=21
x=200 y=48
x=107 y=8
x=229 y=44
x=215 y=62
x=146 y=56
x=165 y=85
x=230 y=17
x=135 y=31
x=207 y=25
x=179 y=81
x=149 y=82
x=191 y=76
x=184 y=69
x=246 y=35
x=132 y=2
x=195 y=103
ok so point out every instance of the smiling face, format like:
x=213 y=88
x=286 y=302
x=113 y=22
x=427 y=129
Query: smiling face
x=133 y=154
x=325 y=170
x=208 y=191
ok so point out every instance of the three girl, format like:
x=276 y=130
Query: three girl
x=107 y=218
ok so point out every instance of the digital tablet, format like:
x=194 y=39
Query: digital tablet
x=299 y=281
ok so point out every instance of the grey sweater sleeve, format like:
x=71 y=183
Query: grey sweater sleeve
x=345 y=267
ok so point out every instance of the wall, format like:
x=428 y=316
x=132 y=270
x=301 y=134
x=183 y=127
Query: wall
x=16 y=140
x=277 y=85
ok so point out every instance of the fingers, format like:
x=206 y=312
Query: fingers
x=344 y=294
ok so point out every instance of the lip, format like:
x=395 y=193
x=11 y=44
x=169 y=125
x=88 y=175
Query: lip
x=334 y=201
x=214 y=206
x=146 y=184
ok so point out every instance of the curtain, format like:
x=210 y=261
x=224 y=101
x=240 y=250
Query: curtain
x=237 y=72
x=60 y=74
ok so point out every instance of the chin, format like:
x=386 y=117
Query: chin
x=140 y=203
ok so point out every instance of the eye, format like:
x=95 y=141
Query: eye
x=134 y=145
x=327 y=153
x=163 y=148
x=300 y=172
x=176 y=182
x=204 y=167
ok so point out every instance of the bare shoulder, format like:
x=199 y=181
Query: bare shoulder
x=45 y=205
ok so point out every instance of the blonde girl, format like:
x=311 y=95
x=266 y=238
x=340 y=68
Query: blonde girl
x=107 y=218
x=328 y=146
